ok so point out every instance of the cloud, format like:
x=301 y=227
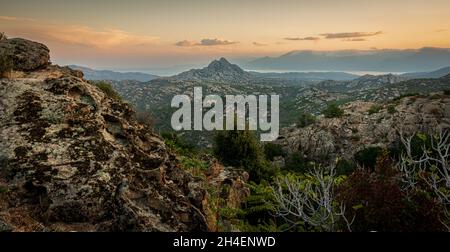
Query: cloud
x=11 y=18
x=354 y=40
x=214 y=42
x=105 y=38
x=344 y=35
x=303 y=39
x=186 y=43
x=443 y=30
x=206 y=42
x=258 y=44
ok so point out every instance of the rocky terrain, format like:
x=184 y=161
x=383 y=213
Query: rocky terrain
x=74 y=159
x=363 y=126
x=296 y=96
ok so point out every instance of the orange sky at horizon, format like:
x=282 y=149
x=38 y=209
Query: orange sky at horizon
x=110 y=33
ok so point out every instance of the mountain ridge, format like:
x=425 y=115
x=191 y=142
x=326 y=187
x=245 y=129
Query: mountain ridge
x=384 y=60
x=94 y=74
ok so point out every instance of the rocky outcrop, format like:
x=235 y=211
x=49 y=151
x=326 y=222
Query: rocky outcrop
x=343 y=137
x=220 y=71
x=227 y=190
x=26 y=55
x=74 y=159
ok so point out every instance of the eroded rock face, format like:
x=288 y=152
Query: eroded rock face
x=72 y=158
x=26 y=55
x=343 y=137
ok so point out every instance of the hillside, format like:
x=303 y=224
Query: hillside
x=359 y=128
x=73 y=158
x=295 y=96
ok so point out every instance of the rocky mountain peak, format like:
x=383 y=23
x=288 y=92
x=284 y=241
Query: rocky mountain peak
x=221 y=71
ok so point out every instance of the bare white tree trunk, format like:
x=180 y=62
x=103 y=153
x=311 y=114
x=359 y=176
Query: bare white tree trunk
x=435 y=161
x=310 y=201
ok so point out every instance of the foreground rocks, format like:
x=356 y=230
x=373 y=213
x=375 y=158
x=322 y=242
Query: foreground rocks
x=26 y=55
x=357 y=129
x=72 y=158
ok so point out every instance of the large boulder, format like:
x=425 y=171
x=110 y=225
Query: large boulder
x=74 y=159
x=26 y=55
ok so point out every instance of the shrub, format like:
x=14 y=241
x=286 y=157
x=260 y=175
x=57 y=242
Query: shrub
x=239 y=148
x=345 y=167
x=377 y=202
x=391 y=109
x=374 y=109
x=6 y=64
x=305 y=119
x=447 y=91
x=107 y=88
x=332 y=111
x=405 y=95
x=272 y=150
x=178 y=144
x=367 y=157
x=258 y=210
x=295 y=162
x=3 y=36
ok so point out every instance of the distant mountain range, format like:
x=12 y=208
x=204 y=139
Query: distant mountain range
x=387 y=60
x=222 y=71
x=91 y=74
x=307 y=76
x=424 y=75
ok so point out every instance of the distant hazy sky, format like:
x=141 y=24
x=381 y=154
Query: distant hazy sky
x=152 y=34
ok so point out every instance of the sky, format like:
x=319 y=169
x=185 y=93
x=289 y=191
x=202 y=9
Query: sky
x=169 y=34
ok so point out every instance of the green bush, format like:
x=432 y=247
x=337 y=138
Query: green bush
x=178 y=144
x=295 y=162
x=305 y=119
x=258 y=210
x=405 y=95
x=345 y=167
x=391 y=109
x=374 y=109
x=367 y=157
x=272 y=150
x=107 y=88
x=332 y=111
x=239 y=148
x=6 y=63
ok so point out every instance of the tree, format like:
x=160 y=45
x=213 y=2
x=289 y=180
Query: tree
x=239 y=148
x=310 y=201
x=305 y=119
x=433 y=159
x=332 y=111
x=107 y=88
x=367 y=157
x=272 y=150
